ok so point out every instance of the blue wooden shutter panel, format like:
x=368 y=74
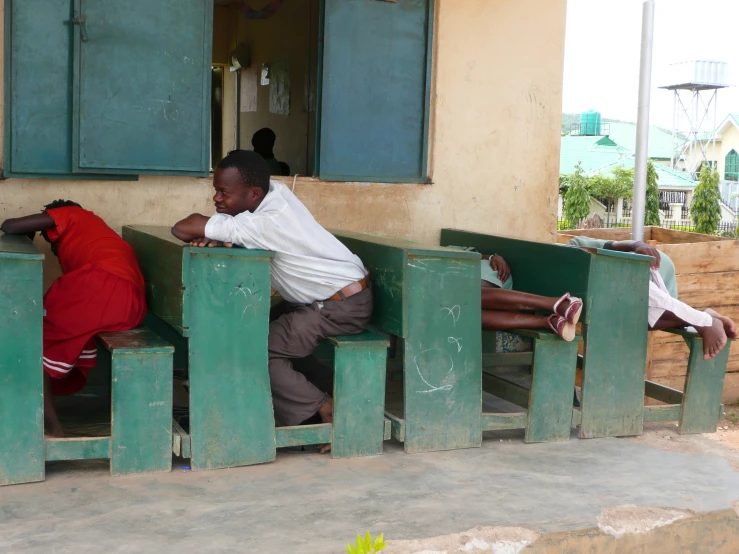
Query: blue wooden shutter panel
x=374 y=90
x=142 y=83
x=38 y=83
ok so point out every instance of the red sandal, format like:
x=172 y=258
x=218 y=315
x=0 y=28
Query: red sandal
x=573 y=310
x=563 y=328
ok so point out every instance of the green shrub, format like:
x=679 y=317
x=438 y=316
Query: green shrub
x=706 y=208
x=365 y=545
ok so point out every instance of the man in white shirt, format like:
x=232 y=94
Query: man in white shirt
x=325 y=285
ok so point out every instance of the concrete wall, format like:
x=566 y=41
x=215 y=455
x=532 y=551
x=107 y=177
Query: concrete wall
x=494 y=143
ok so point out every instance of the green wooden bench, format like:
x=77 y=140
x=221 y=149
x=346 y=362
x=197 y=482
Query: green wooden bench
x=21 y=373
x=543 y=389
x=614 y=287
x=429 y=297
x=213 y=305
x=697 y=408
x=140 y=439
x=358 y=427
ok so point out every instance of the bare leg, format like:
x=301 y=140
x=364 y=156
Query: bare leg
x=729 y=325
x=714 y=336
x=495 y=320
x=327 y=416
x=494 y=298
x=52 y=425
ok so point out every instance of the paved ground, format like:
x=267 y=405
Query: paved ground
x=311 y=503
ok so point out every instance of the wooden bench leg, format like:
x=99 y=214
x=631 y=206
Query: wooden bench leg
x=359 y=402
x=549 y=416
x=704 y=385
x=141 y=419
x=21 y=376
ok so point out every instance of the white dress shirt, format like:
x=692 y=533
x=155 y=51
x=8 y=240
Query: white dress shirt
x=310 y=264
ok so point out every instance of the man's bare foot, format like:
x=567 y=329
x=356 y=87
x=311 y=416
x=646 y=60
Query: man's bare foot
x=714 y=338
x=53 y=431
x=729 y=325
x=327 y=416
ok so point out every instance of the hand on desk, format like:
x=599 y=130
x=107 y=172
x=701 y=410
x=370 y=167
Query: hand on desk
x=203 y=242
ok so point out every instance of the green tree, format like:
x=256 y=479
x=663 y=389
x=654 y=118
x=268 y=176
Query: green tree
x=564 y=184
x=620 y=184
x=706 y=207
x=651 y=213
x=577 y=199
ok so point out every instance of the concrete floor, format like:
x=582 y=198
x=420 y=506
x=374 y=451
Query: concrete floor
x=311 y=503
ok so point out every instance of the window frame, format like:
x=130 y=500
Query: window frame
x=731 y=175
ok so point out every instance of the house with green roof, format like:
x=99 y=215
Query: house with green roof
x=591 y=152
x=721 y=153
x=660 y=147
x=602 y=153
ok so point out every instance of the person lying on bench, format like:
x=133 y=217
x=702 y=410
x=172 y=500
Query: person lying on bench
x=504 y=309
x=665 y=310
x=101 y=290
x=324 y=284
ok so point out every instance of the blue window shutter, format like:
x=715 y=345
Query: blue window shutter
x=374 y=90
x=38 y=83
x=142 y=86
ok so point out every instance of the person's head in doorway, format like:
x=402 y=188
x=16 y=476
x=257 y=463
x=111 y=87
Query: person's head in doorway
x=263 y=142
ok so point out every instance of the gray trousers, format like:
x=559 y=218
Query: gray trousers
x=294 y=332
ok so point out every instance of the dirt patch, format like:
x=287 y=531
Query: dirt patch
x=629 y=519
x=496 y=540
x=665 y=437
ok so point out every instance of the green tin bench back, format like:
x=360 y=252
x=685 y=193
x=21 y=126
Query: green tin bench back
x=388 y=259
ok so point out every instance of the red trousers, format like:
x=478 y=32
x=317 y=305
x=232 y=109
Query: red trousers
x=79 y=305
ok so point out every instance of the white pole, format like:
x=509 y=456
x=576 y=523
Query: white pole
x=642 y=122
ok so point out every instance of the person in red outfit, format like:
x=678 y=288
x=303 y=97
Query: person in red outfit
x=102 y=289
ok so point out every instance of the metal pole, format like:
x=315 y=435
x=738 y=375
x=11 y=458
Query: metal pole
x=674 y=128
x=642 y=122
x=237 y=122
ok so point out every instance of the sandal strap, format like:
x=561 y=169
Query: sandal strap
x=566 y=296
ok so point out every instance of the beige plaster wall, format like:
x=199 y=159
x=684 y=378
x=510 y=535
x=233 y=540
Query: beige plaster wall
x=494 y=144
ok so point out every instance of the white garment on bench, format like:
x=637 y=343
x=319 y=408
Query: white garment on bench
x=660 y=302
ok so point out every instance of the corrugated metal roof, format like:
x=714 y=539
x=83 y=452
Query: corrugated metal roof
x=668 y=178
x=660 y=141
x=592 y=152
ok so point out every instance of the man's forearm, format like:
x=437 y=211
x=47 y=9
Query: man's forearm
x=190 y=228
x=623 y=245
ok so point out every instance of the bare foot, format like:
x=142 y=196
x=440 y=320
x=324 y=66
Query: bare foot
x=729 y=326
x=53 y=431
x=714 y=338
x=327 y=416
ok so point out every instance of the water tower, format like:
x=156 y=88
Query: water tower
x=590 y=123
x=695 y=85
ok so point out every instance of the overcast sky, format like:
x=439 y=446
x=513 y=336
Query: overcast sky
x=603 y=47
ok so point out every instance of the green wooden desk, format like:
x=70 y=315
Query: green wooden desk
x=614 y=287
x=430 y=298
x=213 y=305
x=21 y=374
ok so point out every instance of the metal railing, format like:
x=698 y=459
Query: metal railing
x=724 y=228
